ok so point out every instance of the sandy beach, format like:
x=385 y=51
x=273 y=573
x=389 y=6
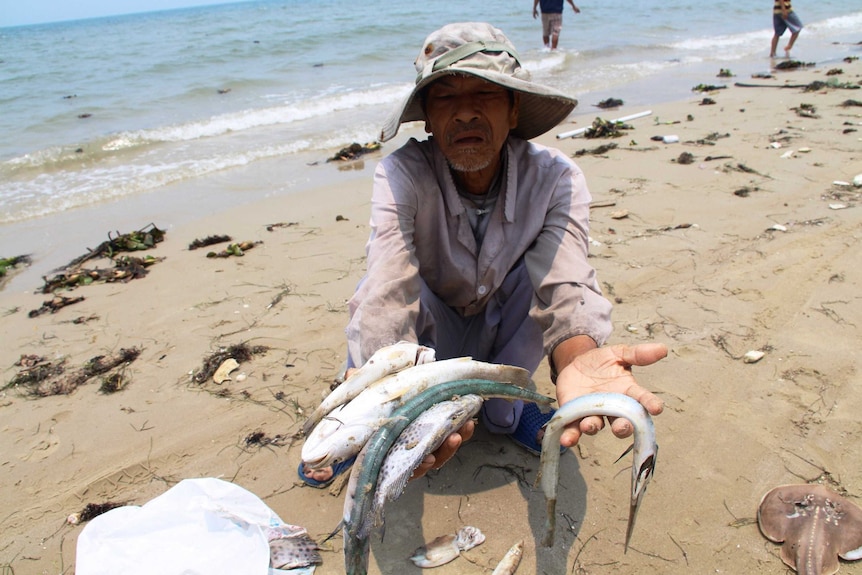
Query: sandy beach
x=749 y=243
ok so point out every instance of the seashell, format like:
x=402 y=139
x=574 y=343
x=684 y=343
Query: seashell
x=241 y=377
x=223 y=372
x=753 y=356
x=775 y=145
x=619 y=214
x=841 y=183
x=804 y=150
x=787 y=154
x=445 y=548
x=73 y=519
x=857 y=180
x=778 y=228
x=837 y=206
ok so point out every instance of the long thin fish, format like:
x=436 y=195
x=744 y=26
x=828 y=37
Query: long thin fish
x=385 y=361
x=356 y=549
x=343 y=432
x=645 y=450
x=423 y=436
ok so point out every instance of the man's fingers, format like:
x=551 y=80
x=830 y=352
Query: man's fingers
x=641 y=354
x=424 y=467
x=621 y=427
x=446 y=451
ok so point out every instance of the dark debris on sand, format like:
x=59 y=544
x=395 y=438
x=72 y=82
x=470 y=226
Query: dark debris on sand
x=41 y=377
x=240 y=352
x=208 y=241
x=353 y=151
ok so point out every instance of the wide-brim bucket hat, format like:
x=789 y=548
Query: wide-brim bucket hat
x=481 y=50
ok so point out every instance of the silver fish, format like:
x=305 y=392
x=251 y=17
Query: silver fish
x=423 y=436
x=645 y=450
x=445 y=548
x=342 y=433
x=385 y=361
x=510 y=561
x=356 y=549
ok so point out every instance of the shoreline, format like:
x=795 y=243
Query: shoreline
x=689 y=252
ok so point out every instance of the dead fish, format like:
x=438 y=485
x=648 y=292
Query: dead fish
x=366 y=469
x=290 y=547
x=644 y=448
x=423 y=436
x=815 y=524
x=342 y=433
x=385 y=361
x=509 y=564
x=447 y=547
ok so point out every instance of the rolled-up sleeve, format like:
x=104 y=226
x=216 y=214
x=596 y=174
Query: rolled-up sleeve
x=568 y=300
x=385 y=306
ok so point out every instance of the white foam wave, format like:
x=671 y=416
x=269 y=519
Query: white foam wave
x=262 y=117
x=62 y=190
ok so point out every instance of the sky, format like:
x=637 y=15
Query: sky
x=24 y=12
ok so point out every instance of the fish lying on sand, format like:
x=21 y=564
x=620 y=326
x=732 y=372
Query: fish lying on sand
x=342 y=433
x=510 y=561
x=367 y=466
x=290 y=547
x=645 y=450
x=423 y=436
x=446 y=548
x=385 y=361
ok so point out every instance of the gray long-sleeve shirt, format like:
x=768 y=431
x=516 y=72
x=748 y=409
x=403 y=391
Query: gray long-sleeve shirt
x=420 y=228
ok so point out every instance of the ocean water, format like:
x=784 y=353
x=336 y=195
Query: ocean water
x=128 y=110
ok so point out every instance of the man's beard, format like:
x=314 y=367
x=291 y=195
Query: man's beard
x=470 y=162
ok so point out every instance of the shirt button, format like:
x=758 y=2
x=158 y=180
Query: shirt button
x=482 y=290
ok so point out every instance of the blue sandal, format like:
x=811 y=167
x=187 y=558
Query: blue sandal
x=337 y=470
x=532 y=420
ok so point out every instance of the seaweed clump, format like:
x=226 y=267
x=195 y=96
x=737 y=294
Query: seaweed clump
x=606 y=129
x=240 y=352
x=42 y=378
x=125 y=267
x=208 y=241
x=353 y=151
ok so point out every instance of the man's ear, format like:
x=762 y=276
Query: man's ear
x=427 y=127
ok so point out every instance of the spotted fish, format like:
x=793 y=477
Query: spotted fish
x=423 y=436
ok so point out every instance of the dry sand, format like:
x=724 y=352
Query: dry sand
x=696 y=262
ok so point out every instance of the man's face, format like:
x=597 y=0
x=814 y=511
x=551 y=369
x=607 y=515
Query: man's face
x=470 y=119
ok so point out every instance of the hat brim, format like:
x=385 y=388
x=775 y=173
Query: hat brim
x=541 y=108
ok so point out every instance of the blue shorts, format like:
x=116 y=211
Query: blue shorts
x=780 y=24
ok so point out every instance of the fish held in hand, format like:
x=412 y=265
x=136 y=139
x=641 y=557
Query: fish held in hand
x=645 y=450
x=446 y=548
x=363 y=477
x=423 y=436
x=385 y=361
x=343 y=432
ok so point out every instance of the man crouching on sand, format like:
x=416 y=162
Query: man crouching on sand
x=479 y=242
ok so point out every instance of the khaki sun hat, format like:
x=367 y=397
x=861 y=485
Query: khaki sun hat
x=479 y=49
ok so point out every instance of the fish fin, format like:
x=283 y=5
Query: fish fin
x=338 y=528
x=626 y=452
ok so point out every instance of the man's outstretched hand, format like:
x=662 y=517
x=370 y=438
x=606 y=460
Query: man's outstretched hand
x=606 y=369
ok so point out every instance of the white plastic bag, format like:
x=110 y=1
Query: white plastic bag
x=198 y=527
